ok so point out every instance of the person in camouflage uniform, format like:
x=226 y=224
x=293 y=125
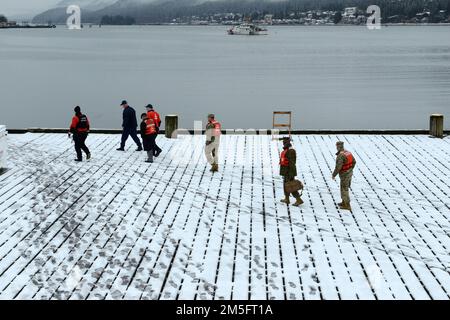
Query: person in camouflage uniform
x=213 y=132
x=345 y=162
x=288 y=170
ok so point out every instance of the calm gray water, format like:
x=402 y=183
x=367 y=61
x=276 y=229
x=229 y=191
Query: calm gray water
x=330 y=77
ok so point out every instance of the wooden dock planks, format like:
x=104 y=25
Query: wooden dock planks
x=117 y=228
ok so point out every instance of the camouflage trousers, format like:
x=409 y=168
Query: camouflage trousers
x=212 y=152
x=346 y=181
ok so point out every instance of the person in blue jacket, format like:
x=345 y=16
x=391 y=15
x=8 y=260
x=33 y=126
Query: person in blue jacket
x=129 y=126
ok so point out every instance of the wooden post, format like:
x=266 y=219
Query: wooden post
x=171 y=126
x=437 y=125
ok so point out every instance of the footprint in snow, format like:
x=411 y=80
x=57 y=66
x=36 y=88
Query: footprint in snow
x=116 y=295
x=274 y=287
x=312 y=290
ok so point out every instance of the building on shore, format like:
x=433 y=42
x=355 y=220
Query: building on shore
x=8 y=24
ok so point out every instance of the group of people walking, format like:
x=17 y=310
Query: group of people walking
x=150 y=127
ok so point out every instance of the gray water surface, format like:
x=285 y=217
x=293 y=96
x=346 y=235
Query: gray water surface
x=330 y=77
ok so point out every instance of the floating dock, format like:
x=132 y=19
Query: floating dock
x=115 y=227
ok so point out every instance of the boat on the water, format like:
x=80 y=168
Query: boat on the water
x=247 y=29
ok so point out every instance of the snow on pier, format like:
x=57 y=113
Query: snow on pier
x=117 y=228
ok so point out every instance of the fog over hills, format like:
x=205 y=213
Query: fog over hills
x=87 y=4
x=159 y=11
x=142 y=10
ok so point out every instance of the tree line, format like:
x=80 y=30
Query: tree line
x=117 y=20
x=167 y=11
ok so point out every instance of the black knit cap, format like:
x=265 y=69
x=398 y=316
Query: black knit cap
x=77 y=109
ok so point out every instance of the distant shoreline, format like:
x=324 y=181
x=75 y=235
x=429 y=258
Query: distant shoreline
x=89 y=25
x=269 y=25
x=30 y=27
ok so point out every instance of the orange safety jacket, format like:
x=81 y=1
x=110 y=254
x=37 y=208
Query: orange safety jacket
x=349 y=164
x=155 y=117
x=284 y=161
x=150 y=126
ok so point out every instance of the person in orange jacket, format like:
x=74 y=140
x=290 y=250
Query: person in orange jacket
x=152 y=114
x=148 y=134
x=79 y=128
x=345 y=163
x=288 y=170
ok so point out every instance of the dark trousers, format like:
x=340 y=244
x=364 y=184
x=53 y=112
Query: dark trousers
x=148 y=142
x=156 y=149
x=80 y=144
x=130 y=132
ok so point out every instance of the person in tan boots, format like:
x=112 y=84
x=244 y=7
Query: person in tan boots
x=345 y=162
x=288 y=170
x=213 y=132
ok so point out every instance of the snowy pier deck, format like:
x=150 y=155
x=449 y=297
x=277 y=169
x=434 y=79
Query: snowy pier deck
x=117 y=228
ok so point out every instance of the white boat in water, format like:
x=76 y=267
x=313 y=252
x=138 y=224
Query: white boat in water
x=247 y=29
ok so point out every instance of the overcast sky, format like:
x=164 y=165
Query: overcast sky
x=25 y=7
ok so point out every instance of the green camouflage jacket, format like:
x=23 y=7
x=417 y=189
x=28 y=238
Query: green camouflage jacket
x=291 y=170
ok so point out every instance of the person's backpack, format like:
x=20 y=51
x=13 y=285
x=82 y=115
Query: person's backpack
x=83 y=123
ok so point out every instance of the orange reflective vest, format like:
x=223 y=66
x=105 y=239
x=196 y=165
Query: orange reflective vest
x=150 y=127
x=348 y=165
x=217 y=128
x=155 y=117
x=284 y=161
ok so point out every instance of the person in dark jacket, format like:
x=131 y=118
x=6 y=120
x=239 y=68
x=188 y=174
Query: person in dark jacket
x=148 y=134
x=129 y=126
x=79 y=128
